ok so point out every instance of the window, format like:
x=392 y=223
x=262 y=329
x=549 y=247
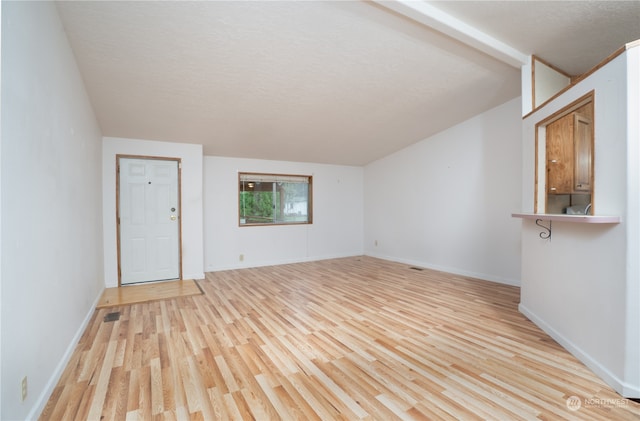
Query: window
x=274 y=199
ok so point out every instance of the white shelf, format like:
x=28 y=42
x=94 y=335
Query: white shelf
x=582 y=219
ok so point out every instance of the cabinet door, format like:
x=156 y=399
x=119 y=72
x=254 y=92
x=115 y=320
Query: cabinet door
x=560 y=155
x=583 y=150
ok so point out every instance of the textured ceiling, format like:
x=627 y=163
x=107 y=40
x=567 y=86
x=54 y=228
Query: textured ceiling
x=573 y=35
x=331 y=82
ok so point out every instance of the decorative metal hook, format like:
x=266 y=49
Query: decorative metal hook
x=546 y=234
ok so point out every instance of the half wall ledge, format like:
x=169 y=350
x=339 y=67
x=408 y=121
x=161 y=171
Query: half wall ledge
x=583 y=219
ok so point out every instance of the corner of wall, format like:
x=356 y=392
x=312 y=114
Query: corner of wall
x=42 y=399
x=527 y=87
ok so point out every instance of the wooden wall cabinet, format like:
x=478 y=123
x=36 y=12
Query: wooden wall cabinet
x=583 y=153
x=560 y=155
x=569 y=154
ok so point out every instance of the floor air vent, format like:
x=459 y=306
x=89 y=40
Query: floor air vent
x=416 y=268
x=112 y=317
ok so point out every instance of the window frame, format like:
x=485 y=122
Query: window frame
x=541 y=196
x=275 y=176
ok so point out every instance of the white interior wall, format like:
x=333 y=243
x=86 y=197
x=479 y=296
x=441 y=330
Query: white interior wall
x=632 y=358
x=192 y=203
x=337 y=216
x=0 y=217
x=526 y=85
x=576 y=286
x=445 y=202
x=548 y=82
x=51 y=205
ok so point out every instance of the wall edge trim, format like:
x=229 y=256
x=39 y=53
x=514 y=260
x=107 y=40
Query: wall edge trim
x=623 y=388
x=44 y=396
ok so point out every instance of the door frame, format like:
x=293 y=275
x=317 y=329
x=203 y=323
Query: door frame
x=148 y=158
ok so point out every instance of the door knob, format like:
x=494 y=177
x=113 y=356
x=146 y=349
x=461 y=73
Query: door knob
x=173 y=217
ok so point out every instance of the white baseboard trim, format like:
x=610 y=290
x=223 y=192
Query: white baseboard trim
x=246 y=265
x=199 y=275
x=43 y=398
x=455 y=271
x=624 y=389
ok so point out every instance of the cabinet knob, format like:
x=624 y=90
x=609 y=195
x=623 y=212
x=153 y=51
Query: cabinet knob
x=553 y=189
x=554 y=161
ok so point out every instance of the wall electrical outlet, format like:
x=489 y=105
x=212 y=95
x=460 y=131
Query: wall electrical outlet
x=242 y=257
x=23 y=386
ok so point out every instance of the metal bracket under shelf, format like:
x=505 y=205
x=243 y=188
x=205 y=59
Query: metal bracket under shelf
x=546 y=234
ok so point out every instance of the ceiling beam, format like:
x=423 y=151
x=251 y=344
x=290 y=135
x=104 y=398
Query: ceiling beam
x=447 y=24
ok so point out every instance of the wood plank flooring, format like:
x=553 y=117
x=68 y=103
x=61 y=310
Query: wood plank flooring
x=140 y=293
x=345 y=339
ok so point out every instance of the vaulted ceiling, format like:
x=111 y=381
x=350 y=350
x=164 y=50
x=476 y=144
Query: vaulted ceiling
x=339 y=82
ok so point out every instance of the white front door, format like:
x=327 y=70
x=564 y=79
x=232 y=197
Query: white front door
x=149 y=220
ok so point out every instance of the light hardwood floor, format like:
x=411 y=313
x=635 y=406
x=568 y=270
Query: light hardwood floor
x=150 y=291
x=353 y=338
